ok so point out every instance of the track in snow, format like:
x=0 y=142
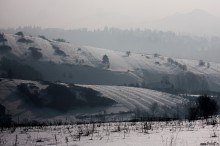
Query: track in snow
x=137 y=98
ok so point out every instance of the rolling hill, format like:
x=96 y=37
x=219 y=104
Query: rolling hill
x=28 y=100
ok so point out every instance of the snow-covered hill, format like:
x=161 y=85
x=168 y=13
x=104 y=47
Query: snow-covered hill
x=66 y=62
x=127 y=100
x=137 y=98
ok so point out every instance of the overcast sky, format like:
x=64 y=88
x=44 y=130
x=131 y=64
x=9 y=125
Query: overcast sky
x=70 y=14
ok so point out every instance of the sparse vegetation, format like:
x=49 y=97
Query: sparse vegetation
x=105 y=60
x=43 y=37
x=57 y=51
x=208 y=65
x=61 y=97
x=60 y=40
x=35 y=53
x=201 y=63
x=24 y=40
x=128 y=53
x=157 y=62
x=20 y=34
x=173 y=62
x=156 y=55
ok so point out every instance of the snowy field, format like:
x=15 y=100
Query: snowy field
x=174 y=133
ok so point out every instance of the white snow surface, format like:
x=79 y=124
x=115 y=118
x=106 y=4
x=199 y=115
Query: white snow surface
x=119 y=61
x=137 y=98
x=174 y=133
x=133 y=64
x=127 y=98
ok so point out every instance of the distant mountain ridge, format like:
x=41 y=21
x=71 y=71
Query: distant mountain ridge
x=196 y=22
x=169 y=43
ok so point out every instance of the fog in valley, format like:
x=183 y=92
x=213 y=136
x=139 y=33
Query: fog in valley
x=109 y=72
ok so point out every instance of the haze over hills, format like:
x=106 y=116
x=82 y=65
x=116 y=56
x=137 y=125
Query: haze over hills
x=59 y=62
x=46 y=100
x=101 y=72
x=30 y=57
x=196 y=22
x=193 y=35
x=147 y=41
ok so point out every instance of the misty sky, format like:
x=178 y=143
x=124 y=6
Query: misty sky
x=70 y=14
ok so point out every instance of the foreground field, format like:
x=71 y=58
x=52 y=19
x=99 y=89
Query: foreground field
x=175 y=133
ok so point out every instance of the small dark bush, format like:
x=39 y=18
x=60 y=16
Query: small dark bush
x=181 y=66
x=158 y=63
x=35 y=53
x=24 y=40
x=43 y=37
x=60 y=40
x=105 y=59
x=156 y=55
x=170 y=60
x=57 y=51
x=128 y=53
x=201 y=63
x=20 y=33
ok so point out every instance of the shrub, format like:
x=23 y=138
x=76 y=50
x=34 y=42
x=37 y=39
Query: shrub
x=105 y=60
x=24 y=40
x=57 y=51
x=128 y=53
x=170 y=60
x=208 y=65
x=156 y=55
x=158 y=63
x=20 y=33
x=35 y=53
x=43 y=37
x=201 y=63
x=60 y=40
x=181 y=66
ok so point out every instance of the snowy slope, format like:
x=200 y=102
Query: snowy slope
x=141 y=67
x=119 y=61
x=138 y=98
x=127 y=99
